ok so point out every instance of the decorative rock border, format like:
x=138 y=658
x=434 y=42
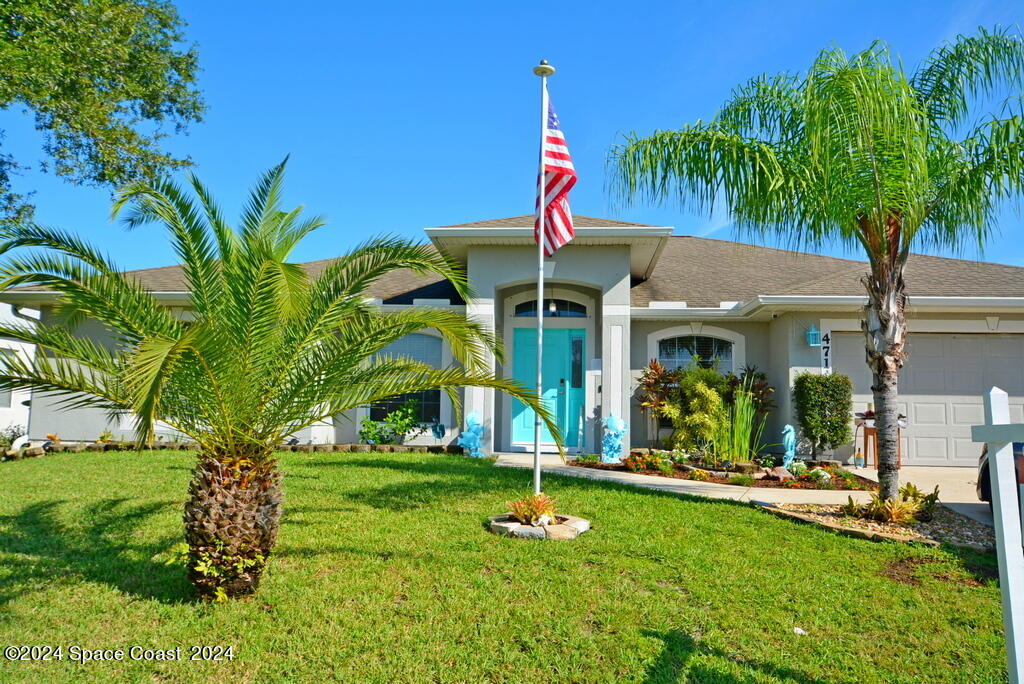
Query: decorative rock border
x=870 y=535
x=566 y=527
x=76 y=447
x=379 y=448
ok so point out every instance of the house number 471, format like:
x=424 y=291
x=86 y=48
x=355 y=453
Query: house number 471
x=826 y=352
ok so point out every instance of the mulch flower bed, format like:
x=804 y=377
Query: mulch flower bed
x=847 y=482
x=947 y=527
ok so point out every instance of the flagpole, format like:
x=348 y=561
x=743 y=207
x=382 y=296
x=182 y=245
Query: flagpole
x=543 y=70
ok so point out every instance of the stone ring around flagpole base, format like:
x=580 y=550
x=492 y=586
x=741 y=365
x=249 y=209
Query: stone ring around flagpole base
x=544 y=69
x=564 y=527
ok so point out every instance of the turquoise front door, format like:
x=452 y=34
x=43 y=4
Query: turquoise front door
x=562 y=382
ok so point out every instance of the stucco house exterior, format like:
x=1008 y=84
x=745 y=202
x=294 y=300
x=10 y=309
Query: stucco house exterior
x=622 y=293
x=14 y=404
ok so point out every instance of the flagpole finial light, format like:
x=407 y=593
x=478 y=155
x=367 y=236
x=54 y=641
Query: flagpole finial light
x=543 y=69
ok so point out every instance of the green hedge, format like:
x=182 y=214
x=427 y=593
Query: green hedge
x=824 y=405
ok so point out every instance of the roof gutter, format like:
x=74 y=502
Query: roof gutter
x=782 y=303
x=42 y=297
x=913 y=302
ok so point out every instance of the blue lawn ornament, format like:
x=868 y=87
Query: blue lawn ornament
x=438 y=430
x=611 y=444
x=789 y=443
x=471 y=437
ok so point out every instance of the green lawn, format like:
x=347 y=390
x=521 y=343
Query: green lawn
x=384 y=573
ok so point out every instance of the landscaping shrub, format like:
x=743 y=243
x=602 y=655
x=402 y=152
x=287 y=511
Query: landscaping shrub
x=756 y=383
x=9 y=434
x=723 y=415
x=852 y=508
x=699 y=475
x=901 y=510
x=742 y=480
x=655 y=386
x=738 y=438
x=898 y=510
x=666 y=467
x=797 y=468
x=397 y=426
x=537 y=509
x=587 y=459
x=824 y=404
x=638 y=462
x=698 y=416
x=849 y=480
x=679 y=457
x=926 y=502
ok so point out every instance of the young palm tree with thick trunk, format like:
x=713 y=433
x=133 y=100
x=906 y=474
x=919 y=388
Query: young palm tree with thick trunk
x=265 y=350
x=860 y=153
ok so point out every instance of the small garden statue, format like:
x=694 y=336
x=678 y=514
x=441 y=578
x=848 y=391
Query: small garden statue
x=611 y=444
x=470 y=439
x=789 y=443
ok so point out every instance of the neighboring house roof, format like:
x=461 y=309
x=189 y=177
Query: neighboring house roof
x=702 y=272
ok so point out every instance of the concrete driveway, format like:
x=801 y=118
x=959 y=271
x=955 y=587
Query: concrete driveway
x=956 y=487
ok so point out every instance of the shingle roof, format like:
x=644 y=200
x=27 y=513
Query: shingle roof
x=527 y=220
x=400 y=287
x=704 y=272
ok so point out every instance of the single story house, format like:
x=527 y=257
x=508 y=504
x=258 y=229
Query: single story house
x=623 y=293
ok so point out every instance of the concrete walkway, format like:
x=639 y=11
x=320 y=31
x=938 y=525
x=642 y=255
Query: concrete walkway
x=550 y=463
x=956 y=485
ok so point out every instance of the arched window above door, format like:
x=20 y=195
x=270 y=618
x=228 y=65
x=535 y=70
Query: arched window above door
x=553 y=308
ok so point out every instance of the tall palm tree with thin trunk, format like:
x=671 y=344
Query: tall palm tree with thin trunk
x=857 y=152
x=265 y=350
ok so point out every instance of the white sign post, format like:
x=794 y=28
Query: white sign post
x=1000 y=436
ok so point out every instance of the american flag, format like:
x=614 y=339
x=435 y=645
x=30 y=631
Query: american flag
x=559 y=177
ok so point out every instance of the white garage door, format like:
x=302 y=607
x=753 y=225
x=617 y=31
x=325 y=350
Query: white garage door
x=940 y=389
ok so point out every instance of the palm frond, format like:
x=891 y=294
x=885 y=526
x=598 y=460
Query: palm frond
x=268 y=347
x=987 y=63
x=391 y=377
x=166 y=202
x=852 y=151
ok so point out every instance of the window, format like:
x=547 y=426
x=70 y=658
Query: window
x=563 y=308
x=5 y=394
x=425 y=349
x=678 y=352
x=576 y=376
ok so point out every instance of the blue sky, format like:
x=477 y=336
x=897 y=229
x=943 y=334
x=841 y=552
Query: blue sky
x=402 y=115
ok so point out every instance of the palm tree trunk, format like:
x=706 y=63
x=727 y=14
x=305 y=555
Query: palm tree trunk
x=886 y=422
x=231 y=523
x=885 y=332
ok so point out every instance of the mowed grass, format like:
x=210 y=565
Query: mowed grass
x=384 y=573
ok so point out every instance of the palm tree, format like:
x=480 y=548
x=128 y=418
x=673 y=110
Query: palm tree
x=860 y=153
x=265 y=350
